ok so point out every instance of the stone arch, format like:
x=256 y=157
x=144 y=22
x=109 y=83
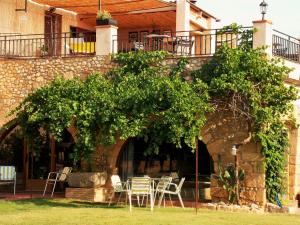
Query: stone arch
x=7 y=128
x=221 y=132
x=130 y=160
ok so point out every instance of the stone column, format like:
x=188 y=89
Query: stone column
x=182 y=15
x=106 y=39
x=263 y=35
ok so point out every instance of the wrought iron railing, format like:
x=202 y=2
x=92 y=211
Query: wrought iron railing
x=48 y=45
x=190 y=43
x=286 y=46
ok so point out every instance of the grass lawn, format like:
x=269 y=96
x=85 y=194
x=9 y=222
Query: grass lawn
x=54 y=212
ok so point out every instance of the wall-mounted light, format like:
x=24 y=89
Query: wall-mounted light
x=51 y=9
x=234 y=150
x=263 y=9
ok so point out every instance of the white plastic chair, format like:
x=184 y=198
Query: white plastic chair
x=162 y=185
x=177 y=190
x=54 y=177
x=138 y=45
x=175 y=176
x=118 y=187
x=8 y=176
x=140 y=186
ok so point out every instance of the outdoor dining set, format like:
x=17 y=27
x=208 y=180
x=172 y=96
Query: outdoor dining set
x=146 y=187
x=182 y=44
x=143 y=189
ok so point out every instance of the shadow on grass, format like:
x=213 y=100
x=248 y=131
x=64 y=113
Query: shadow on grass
x=40 y=202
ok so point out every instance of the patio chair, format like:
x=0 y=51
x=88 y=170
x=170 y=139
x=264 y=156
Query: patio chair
x=118 y=187
x=183 y=46
x=175 y=176
x=175 y=192
x=162 y=185
x=54 y=177
x=138 y=46
x=8 y=176
x=140 y=186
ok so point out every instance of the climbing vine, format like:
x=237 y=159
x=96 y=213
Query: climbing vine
x=144 y=98
x=139 y=98
x=244 y=81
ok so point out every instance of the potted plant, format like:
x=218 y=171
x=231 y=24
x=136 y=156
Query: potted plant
x=44 y=50
x=105 y=18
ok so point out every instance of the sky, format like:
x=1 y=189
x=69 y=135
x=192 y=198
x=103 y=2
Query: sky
x=285 y=14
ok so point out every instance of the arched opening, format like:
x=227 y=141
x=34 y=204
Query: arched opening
x=33 y=165
x=133 y=162
x=11 y=154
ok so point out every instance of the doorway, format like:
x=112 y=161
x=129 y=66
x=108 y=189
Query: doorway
x=53 y=30
x=133 y=162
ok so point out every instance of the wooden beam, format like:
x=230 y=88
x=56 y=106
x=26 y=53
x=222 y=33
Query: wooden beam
x=152 y=10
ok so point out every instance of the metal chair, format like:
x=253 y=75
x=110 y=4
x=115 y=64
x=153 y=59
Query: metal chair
x=175 y=192
x=118 y=187
x=162 y=185
x=175 y=176
x=54 y=177
x=138 y=45
x=184 y=45
x=140 y=186
x=8 y=176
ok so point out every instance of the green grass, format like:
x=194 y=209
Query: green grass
x=55 y=212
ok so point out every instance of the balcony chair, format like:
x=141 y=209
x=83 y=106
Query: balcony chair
x=118 y=187
x=174 y=191
x=138 y=46
x=8 y=176
x=183 y=46
x=54 y=177
x=140 y=186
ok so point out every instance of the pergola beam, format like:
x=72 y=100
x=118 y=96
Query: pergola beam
x=154 y=10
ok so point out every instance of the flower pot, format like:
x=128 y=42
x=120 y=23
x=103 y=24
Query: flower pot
x=100 y=22
x=87 y=180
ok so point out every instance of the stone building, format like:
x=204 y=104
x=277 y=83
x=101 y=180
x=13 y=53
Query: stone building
x=29 y=61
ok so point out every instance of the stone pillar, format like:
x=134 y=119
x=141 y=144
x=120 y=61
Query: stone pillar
x=263 y=35
x=182 y=15
x=106 y=39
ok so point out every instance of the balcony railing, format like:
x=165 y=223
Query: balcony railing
x=191 y=43
x=286 y=46
x=48 y=45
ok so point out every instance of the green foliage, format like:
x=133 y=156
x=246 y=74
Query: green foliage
x=231 y=183
x=252 y=86
x=244 y=36
x=141 y=98
x=103 y=15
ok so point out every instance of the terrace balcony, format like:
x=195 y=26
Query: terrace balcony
x=180 y=43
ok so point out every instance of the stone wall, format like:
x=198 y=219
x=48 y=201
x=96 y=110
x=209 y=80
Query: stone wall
x=220 y=133
x=20 y=77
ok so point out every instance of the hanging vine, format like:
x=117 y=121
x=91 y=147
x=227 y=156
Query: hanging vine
x=244 y=81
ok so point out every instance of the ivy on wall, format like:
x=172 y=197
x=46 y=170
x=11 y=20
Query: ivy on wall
x=244 y=81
